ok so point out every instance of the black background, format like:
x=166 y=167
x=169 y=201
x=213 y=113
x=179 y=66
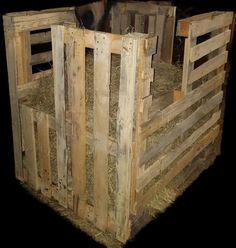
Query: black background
x=203 y=215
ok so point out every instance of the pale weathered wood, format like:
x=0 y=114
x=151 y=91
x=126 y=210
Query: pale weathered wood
x=125 y=134
x=10 y=43
x=42 y=74
x=178 y=166
x=23 y=53
x=159 y=119
x=208 y=67
x=209 y=45
x=102 y=64
x=40 y=38
x=182 y=127
x=210 y=24
x=39 y=58
x=59 y=93
x=160 y=27
x=41 y=20
x=204 y=23
x=151 y=25
x=30 y=162
x=44 y=165
x=188 y=66
x=116 y=39
x=76 y=85
x=160 y=165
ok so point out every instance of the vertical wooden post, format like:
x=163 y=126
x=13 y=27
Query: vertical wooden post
x=10 y=42
x=188 y=66
x=102 y=66
x=59 y=88
x=129 y=80
x=76 y=87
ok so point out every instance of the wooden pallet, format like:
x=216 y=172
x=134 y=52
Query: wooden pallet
x=143 y=170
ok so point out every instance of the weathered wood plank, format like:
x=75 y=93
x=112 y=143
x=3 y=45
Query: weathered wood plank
x=44 y=155
x=59 y=93
x=139 y=23
x=160 y=26
x=159 y=119
x=42 y=74
x=116 y=39
x=204 y=23
x=151 y=25
x=76 y=85
x=210 y=24
x=188 y=66
x=179 y=165
x=10 y=43
x=209 y=45
x=40 y=58
x=125 y=134
x=124 y=23
x=158 y=166
x=40 y=38
x=182 y=127
x=27 y=123
x=41 y=20
x=102 y=65
x=208 y=67
x=23 y=53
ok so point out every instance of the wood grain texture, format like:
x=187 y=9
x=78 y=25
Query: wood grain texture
x=102 y=65
x=30 y=161
x=59 y=93
x=76 y=85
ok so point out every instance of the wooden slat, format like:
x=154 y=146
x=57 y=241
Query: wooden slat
x=160 y=27
x=115 y=20
x=42 y=74
x=124 y=135
x=102 y=65
x=168 y=39
x=27 y=122
x=10 y=43
x=76 y=85
x=159 y=119
x=59 y=93
x=160 y=165
x=151 y=24
x=90 y=42
x=182 y=127
x=139 y=23
x=40 y=38
x=40 y=58
x=41 y=20
x=205 y=23
x=188 y=66
x=124 y=23
x=210 y=24
x=23 y=53
x=24 y=90
x=210 y=45
x=208 y=66
x=44 y=155
x=184 y=161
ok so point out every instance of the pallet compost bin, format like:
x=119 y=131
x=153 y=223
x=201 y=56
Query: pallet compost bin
x=96 y=135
